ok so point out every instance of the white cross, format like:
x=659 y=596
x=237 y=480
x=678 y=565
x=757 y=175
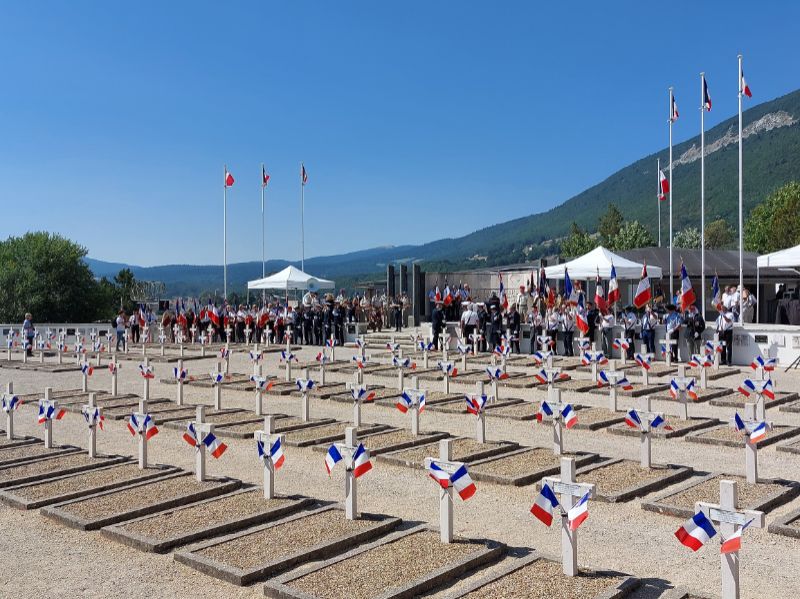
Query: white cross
x=8 y=396
x=247 y=332
x=751 y=449
x=554 y=401
x=613 y=377
x=268 y=439
x=729 y=520
x=569 y=490
x=202 y=430
x=444 y=461
x=347 y=451
x=683 y=383
x=140 y=416
x=89 y=411
x=415 y=394
x=646 y=415
x=46 y=404
x=305 y=406
x=475 y=338
x=193 y=329
x=480 y=429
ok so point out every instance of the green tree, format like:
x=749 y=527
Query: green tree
x=125 y=282
x=45 y=274
x=688 y=239
x=719 y=235
x=609 y=225
x=577 y=243
x=632 y=235
x=775 y=223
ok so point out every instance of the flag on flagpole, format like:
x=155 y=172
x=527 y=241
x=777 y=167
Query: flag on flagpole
x=687 y=291
x=663 y=183
x=706 y=96
x=745 y=88
x=643 y=294
x=264 y=176
x=716 y=296
x=228 y=178
x=673 y=113
x=303 y=174
x=599 y=295
x=502 y=295
x=613 y=287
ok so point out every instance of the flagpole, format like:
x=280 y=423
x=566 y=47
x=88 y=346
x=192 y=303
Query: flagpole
x=702 y=195
x=302 y=221
x=658 y=197
x=263 y=234
x=671 y=278
x=741 y=217
x=225 y=231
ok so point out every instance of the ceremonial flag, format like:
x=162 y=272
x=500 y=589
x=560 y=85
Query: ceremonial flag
x=696 y=531
x=643 y=294
x=734 y=543
x=744 y=86
x=768 y=364
x=190 y=436
x=599 y=294
x=716 y=296
x=544 y=505
x=303 y=174
x=579 y=512
x=463 y=483
x=332 y=458
x=706 y=95
x=632 y=419
x=613 y=287
x=664 y=184
x=569 y=416
x=544 y=410
x=215 y=447
x=502 y=295
x=581 y=318
x=439 y=475
x=361 y=463
x=448 y=295
x=687 y=292
x=264 y=176
x=276 y=454
x=228 y=179
x=673 y=112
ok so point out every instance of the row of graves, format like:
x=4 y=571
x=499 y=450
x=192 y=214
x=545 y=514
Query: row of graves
x=301 y=547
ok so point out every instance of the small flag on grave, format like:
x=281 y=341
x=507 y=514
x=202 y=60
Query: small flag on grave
x=94 y=417
x=462 y=482
x=49 y=412
x=578 y=514
x=146 y=371
x=544 y=505
x=696 y=531
x=475 y=403
x=144 y=427
x=361 y=394
x=215 y=447
x=332 y=458
x=439 y=475
x=734 y=543
x=544 y=410
x=569 y=416
x=642 y=360
x=190 y=436
x=10 y=404
x=361 y=461
x=632 y=419
x=767 y=364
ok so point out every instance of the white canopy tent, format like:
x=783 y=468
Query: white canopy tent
x=600 y=259
x=788 y=259
x=291 y=278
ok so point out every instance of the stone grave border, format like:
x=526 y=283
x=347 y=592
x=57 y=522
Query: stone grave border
x=102 y=460
x=159 y=402
x=595 y=426
x=493 y=550
x=323 y=391
x=347 y=398
x=149 y=544
x=781 y=525
x=582 y=458
x=446 y=408
x=711 y=394
x=17 y=441
x=205 y=382
x=772 y=437
x=790 y=446
x=791 y=408
x=700 y=424
x=55 y=511
x=532 y=416
x=781 y=397
x=500 y=448
x=51 y=368
x=640 y=391
x=660 y=504
x=422 y=439
x=126 y=399
x=330 y=438
x=19 y=461
x=673 y=473
x=623 y=589
x=9 y=497
x=438 y=375
x=222 y=431
x=134 y=355
x=429 y=403
x=242 y=577
x=246 y=415
x=59 y=395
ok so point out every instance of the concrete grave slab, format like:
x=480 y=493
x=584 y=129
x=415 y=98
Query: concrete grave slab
x=679 y=426
x=787 y=525
x=18 y=440
x=263 y=551
x=283 y=424
x=792 y=408
x=31 y=452
x=523 y=466
x=110 y=507
x=219 y=418
x=328 y=433
x=107 y=402
x=371 y=571
x=53 y=466
x=460 y=407
x=71 y=486
x=465 y=449
x=703 y=395
x=790 y=446
x=220 y=515
x=205 y=381
x=593 y=419
x=729 y=437
x=764 y=496
x=620 y=480
x=737 y=400
x=392 y=440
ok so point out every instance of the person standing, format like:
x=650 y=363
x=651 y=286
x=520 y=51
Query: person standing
x=121 y=320
x=628 y=321
x=695 y=325
x=607 y=332
x=469 y=322
x=397 y=315
x=673 y=323
x=724 y=327
x=749 y=304
x=437 y=324
x=535 y=321
x=552 y=325
x=495 y=325
x=649 y=322
x=513 y=326
x=133 y=324
x=592 y=316
x=28 y=333
x=568 y=327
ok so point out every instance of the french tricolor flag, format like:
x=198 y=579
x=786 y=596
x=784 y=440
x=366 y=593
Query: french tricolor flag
x=758 y=433
x=439 y=475
x=734 y=543
x=403 y=403
x=463 y=483
x=578 y=514
x=696 y=531
x=706 y=95
x=215 y=447
x=569 y=416
x=544 y=505
x=768 y=364
x=632 y=419
x=361 y=462
x=544 y=410
x=276 y=454
x=190 y=436
x=642 y=360
x=332 y=458
x=746 y=88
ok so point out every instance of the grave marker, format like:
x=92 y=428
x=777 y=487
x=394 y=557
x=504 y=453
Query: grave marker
x=146 y=371
x=216 y=384
x=622 y=344
x=262 y=384
x=644 y=360
x=549 y=376
x=360 y=362
x=476 y=404
x=141 y=424
x=256 y=357
x=270 y=452
x=567 y=487
x=475 y=338
x=247 y=332
x=162 y=339
x=357 y=463
x=331 y=345
x=561 y=414
x=448 y=370
x=200 y=435
x=180 y=374
x=614 y=379
x=10 y=343
x=94 y=418
x=645 y=420
x=360 y=394
x=594 y=358
x=49 y=411
x=225 y=355
x=463 y=349
x=412 y=401
x=288 y=357
x=764 y=367
x=449 y=475
x=401 y=364
x=86 y=371
x=304 y=385
x=753 y=431
x=715 y=348
x=496 y=374
x=424 y=346
x=10 y=405
x=321 y=359
x=762 y=389
x=681 y=388
x=97 y=347
x=445 y=344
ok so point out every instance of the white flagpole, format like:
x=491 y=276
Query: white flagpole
x=263 y=234
x=225 y=231
x=658 y=197
x=671 y=271
x=741 y=217
x=302 y=220
x=702 y=195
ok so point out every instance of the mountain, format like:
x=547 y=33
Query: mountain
x=771 y=158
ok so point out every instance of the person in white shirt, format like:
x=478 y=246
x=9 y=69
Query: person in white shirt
x=534 y=319
x=607 y=330
x=724 y=326
x=552 y=324
x=121 y=320
x=568 y=327
x=522 y=300
x=749 y=304
x=469 y=321
x=629 y=321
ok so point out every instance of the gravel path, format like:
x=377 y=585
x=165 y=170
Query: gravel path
x=319 y=432
x=272 y=544
x=518 y=464
x=383 y=440
x=46 y=466
x=544 y=580
x=709 y=491
x=137 y=497
x=84 y=480
x=462 y=449
x=374 y=572
x=10 y=454
x=613 y=479
x=726 y=433
x=204 y=515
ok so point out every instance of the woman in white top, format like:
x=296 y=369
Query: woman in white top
x=121 y=320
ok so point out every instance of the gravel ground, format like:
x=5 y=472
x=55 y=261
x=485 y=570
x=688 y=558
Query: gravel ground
x=709 y=491
x=272 y=544
x=520 y=463
x=319 y=432
x=46 y=466
x=611 y=480
x=137 y=497
x=544 y=580
x=374 y=572
x=92 y=478
x=204 y=515
x=592 y=415
x=10 y=454
x=151 y=409
x=383 y=440
x=462 y=448
x=725 y=433
x=521 y=410
x=647 y=550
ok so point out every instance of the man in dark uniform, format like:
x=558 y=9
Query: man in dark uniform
x=437 y=323
x=513 y=326
x=483 y=326
x=592 y=314
x=495 y=326
x=338 y=324
x=317 y=324
x=397 y=315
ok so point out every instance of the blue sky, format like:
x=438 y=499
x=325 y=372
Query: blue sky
x=443 y=117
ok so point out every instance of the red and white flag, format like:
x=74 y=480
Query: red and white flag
x=643 y=294
x=228 y=178
x=600 y=295
x=613 y=287
x=663 y=183
x=745 y=88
